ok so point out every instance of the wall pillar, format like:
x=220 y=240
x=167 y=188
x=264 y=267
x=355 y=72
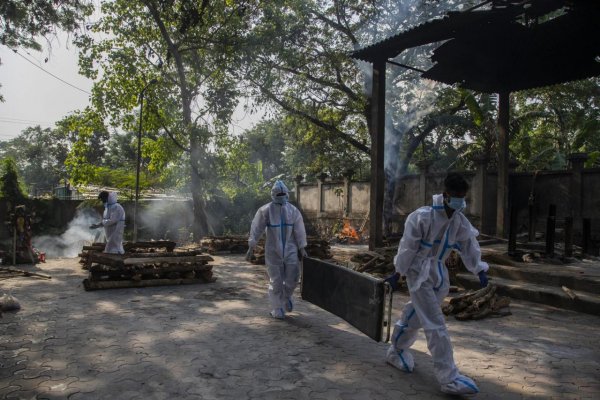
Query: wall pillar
x=298 y=180
x=347 y=187
x=320 y=179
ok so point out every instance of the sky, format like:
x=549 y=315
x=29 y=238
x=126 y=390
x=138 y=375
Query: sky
x=40 y=92
x=34 y=97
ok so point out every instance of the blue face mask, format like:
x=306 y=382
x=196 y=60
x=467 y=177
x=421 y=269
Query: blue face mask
x=456 y=203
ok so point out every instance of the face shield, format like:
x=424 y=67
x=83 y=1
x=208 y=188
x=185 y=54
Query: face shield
x=280 y=193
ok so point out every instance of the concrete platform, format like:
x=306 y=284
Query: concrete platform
x=216 y=341
x=542 y=282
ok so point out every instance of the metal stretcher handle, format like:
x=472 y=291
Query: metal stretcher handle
x=387 y=317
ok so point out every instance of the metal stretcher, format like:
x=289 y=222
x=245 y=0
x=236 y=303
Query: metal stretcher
x=362 y=301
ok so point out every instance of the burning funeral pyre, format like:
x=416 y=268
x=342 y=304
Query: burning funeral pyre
x=154 y=263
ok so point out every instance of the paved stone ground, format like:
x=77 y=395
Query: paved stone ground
x=216 y=341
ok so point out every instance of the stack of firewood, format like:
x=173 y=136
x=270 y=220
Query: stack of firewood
x=153 y=246
x=316 y=247
x=107 y=271
x=379 y=262
x=84 y=256
x=232 y=244
x=478 y=304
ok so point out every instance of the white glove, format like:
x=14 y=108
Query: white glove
x=250 y=254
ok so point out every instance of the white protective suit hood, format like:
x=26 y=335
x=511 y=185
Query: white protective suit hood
x=112 y=198
x=278 y=188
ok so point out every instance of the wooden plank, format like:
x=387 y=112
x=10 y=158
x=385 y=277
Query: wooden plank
x=114 y=260
x=166 y=254
x=174 y=260
x=97 y=285
x=102 y=269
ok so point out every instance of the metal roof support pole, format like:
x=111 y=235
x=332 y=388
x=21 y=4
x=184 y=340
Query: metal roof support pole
x=503 y=160
x=377 y=130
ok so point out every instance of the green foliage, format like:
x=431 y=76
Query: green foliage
x=24 y=22
x=39 y=155
x=550 y=123
x=89 y=137
x=10 y=186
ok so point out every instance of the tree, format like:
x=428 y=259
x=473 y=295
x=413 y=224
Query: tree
x=88 y=135
x=10 y=185
x=39 y=156
x=550 y=123
x=22 y=23
x=298 y=59
x=187 y=46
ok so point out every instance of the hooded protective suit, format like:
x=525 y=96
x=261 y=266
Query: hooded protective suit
x=429 y=237
x=285 y=232
x=113 y=221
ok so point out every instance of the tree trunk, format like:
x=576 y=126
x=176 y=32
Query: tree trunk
x=200 y=226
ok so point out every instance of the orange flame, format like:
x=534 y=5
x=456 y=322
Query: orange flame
x=349 y=232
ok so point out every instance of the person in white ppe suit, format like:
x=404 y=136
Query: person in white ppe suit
x=285 y=237
x=430 y=234
x=113 y=221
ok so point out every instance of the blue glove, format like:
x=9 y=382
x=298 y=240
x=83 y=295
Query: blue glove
x=393 y=280
x=483 y=279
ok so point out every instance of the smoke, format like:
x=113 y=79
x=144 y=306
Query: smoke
x=166 y=220
x=408 y=97
x=70 y=243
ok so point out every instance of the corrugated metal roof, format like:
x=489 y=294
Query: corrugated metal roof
x=493 y=50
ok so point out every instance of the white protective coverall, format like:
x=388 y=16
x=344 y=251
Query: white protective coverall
x=113 y=221
x=285 y=235
x=429 y=237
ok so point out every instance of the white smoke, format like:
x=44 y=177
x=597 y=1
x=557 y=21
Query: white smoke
x=165 y=219
x=70 y=243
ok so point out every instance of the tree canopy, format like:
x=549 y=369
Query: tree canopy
x=23 y=23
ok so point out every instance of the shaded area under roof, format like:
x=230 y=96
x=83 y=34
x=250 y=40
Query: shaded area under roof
x=511 y=46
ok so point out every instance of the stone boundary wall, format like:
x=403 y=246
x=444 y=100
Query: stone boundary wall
x=575 y=191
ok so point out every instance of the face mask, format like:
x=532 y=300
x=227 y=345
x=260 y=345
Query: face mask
x=456 y=203
x=280 y=199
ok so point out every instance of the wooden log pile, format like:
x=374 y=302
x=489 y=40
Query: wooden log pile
x=129 y=247
x=84 y=256
x=478 y=304
x=316 y=247
x=379 y=262
x=236 y=244
x=138 y=269
x=149 y=246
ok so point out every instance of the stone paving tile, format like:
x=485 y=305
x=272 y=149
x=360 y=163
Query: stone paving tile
x=216 y=341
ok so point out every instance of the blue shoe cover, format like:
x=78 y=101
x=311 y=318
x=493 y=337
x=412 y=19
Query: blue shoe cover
x=278 y=313
x=401 y=359
x=461 y=385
